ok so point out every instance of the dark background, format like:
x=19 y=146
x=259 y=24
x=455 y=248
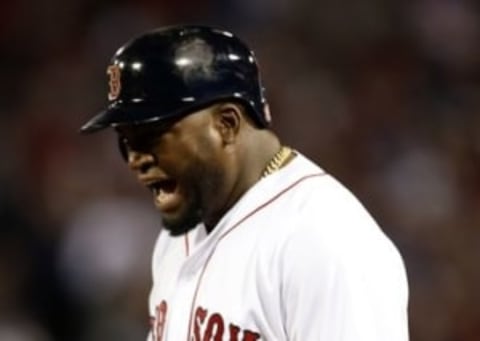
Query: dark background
x=383 y=94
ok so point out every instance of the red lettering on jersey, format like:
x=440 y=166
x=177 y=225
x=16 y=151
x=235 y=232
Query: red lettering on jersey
x=200 y=315
x=214 y=322
x=247 y=334
x=234 y=331
x=159 y=321
x=215 y=328
x=250 y=336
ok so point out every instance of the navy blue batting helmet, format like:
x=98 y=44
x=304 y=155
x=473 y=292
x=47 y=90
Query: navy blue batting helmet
x=172 y=71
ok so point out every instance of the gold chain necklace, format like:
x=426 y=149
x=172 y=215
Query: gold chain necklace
x=279 y=160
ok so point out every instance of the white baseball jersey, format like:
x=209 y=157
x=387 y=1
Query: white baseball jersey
x=297 y=258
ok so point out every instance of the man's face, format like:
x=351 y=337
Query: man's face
x=181 y=163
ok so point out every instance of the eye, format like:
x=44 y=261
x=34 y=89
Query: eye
x=123 y=146
x=143 y=138
x=144 y=142
x=123 y=140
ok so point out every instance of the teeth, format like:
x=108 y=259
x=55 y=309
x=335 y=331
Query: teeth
x=155 y=188
x=161 y=187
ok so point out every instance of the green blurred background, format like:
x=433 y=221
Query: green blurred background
x=383 y=94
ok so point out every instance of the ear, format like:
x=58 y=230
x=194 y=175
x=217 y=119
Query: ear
x=228 y=121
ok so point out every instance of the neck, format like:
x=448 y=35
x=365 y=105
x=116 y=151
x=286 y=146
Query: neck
x=258 y=156
x=252 y=155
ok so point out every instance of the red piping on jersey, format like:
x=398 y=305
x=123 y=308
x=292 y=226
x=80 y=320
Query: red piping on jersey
x=187 y=247
x=265 y=204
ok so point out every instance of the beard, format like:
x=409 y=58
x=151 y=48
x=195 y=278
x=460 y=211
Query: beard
x=201 y=183
x=183 y=223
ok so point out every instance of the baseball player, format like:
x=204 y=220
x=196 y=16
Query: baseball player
x=259 y=243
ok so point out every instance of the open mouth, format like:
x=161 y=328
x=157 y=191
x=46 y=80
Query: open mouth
x=162 y=187
x=166 y=194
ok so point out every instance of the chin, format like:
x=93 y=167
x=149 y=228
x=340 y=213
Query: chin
x=179 y=225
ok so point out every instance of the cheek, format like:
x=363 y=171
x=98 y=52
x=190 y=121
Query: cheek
x=203 y=141
x=176 y=157
x=179 y=152
x=204 y=146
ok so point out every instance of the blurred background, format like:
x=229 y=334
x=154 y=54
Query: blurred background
x=383 y=94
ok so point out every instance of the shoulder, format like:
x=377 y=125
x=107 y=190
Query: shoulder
x=310 y=195
x=319 y=221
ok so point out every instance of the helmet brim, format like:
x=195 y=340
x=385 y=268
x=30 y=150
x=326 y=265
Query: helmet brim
x=98 y=122
x=123 y=114
x=115 y=116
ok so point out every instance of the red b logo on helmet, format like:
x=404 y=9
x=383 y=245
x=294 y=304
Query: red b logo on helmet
x=113 y=72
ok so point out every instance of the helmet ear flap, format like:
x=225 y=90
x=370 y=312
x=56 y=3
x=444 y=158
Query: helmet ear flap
x=122 y=146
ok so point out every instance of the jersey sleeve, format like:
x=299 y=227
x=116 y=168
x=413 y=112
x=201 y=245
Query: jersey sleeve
x=342 y=286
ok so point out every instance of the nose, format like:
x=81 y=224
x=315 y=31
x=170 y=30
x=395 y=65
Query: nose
x=139 y=161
